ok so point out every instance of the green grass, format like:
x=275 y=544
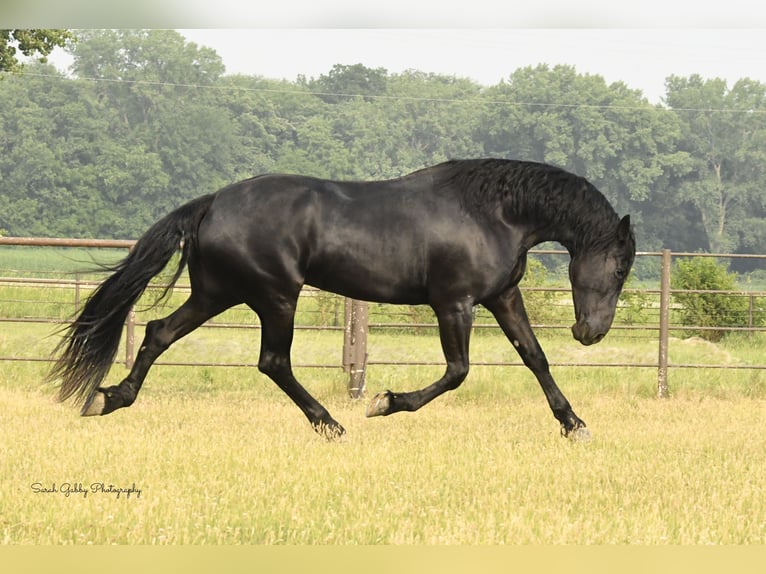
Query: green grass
x=30 y=261
x=221 y=456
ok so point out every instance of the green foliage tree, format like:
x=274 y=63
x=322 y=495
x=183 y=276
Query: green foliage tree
x=37 y=43
x=49 y=141
x=423 y=119
x=256 y=119
x=707 y=309
x=435 y=119
x=149 y=120
x=343 y=82
x=724 y=133
x=170 y=140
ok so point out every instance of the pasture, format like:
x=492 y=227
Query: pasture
x=221 y=456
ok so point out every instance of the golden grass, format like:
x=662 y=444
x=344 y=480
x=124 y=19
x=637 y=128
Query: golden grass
x=222 y=457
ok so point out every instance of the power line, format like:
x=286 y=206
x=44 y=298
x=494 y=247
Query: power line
x=388 y=97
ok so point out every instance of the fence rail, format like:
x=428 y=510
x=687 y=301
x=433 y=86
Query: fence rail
x=357 y=319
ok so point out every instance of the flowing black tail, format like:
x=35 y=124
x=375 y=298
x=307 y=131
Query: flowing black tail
x=89 y=348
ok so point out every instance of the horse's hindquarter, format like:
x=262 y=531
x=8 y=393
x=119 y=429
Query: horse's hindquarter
x=399 y=241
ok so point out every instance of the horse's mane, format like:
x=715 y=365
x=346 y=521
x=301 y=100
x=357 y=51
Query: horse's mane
x=538 y=192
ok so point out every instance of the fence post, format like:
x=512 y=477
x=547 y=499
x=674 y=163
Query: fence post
x=662 y=370
x=130 y=336
x=355 y=345
x=76 y=293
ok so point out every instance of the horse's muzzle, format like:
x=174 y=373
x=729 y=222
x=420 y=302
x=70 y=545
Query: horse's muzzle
x=583 y=333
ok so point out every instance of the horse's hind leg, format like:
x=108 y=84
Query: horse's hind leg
x=455 y=322
x=274 y=361
x=160 y=334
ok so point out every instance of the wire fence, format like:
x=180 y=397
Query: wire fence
x=49 y=290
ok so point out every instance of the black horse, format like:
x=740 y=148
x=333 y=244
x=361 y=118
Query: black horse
x=451 y=236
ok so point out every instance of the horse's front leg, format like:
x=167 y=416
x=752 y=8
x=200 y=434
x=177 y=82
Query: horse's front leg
x=508 y=309
x=455 y=321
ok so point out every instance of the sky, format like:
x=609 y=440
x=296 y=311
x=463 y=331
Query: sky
x=638 y=42
x=642 y=58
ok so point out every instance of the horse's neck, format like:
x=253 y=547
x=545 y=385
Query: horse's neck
x=573 y=226
x=542 y=230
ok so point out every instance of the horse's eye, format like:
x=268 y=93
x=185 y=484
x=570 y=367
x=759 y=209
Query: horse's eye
x=620 y=273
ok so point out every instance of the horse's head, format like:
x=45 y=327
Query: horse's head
x=597 y=277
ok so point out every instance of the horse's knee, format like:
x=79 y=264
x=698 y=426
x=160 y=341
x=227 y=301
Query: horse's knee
x=534 y=359
x=272 y=365
x=266 y=366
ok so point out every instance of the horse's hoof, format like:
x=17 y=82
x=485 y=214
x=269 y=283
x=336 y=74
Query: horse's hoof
x=330 y=432
x=95 y=405
x=380 y=405
x=580 y=434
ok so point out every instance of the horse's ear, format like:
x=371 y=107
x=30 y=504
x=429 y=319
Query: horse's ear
x=623 y=229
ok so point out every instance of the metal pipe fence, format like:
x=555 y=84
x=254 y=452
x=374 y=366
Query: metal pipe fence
x=644 y=313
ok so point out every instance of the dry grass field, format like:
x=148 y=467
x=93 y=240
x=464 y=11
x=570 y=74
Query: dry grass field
x=220 y=456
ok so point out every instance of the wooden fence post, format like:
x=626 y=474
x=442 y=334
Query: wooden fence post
x=76 y=293
x=662 y=370
x=355 y=345
x=130 y=336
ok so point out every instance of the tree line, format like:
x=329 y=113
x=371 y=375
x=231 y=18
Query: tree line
x=147 y=120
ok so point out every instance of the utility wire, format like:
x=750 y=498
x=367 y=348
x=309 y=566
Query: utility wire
x=387 y=97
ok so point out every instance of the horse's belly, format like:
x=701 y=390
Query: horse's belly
x=374 y=279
